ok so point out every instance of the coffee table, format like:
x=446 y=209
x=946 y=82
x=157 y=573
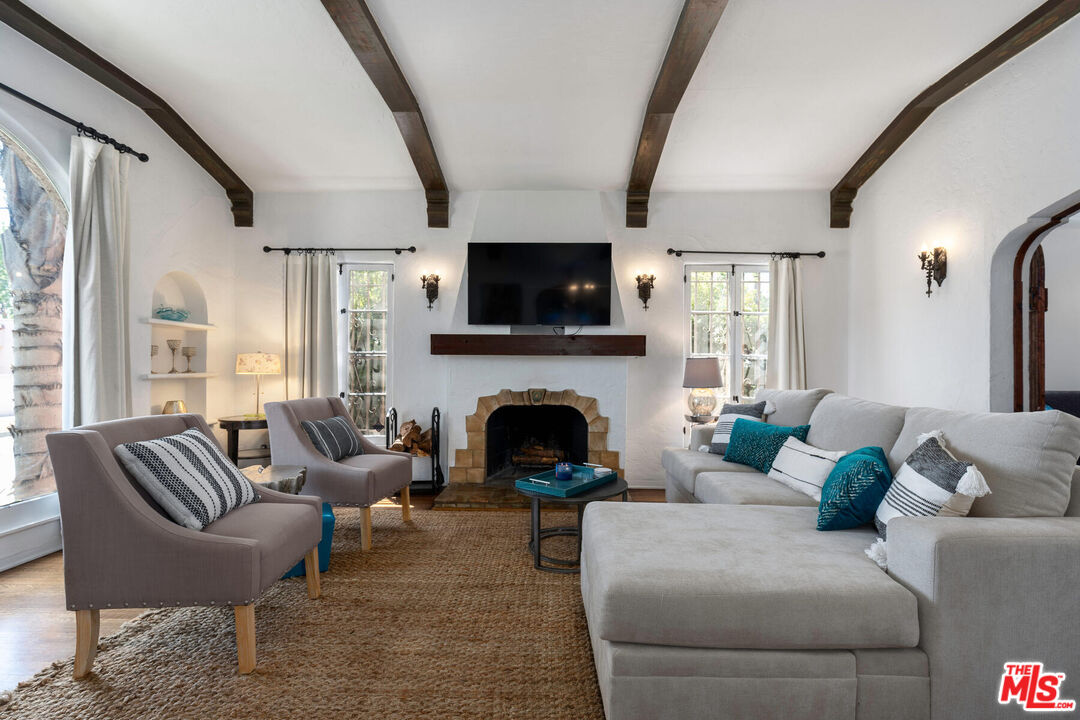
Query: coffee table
x=543 y=562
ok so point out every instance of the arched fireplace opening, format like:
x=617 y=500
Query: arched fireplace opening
x=523 y=440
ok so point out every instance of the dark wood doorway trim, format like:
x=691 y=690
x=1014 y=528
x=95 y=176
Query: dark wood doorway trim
x=1037 y=297
x=692 y=33
x=357 y=25
x=1018 y=299
x=1038 y=24
x=33 y=26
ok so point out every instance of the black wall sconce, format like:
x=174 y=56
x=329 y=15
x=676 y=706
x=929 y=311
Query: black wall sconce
x=935 y=265
x=645 y=285
x=430 y=283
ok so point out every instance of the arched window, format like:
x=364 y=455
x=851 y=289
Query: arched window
x=33 y=223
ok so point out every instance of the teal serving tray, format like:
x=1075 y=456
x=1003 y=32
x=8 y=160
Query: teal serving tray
x=582 y=480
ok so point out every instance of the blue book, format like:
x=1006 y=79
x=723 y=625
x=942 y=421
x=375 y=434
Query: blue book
x=582 y=480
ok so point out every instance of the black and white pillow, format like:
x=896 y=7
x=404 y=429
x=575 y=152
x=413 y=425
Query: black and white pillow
x=803 y=467
x=333 y=437
x=188 y=476
x=729 y=413
x=930 y=483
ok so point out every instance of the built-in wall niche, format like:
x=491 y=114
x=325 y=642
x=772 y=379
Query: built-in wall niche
x=179 y=290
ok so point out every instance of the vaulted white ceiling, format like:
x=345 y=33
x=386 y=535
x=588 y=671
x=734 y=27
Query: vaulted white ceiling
x=537 y=94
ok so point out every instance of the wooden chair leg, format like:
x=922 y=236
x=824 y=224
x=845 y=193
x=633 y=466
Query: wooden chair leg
x=311 y=572
x=87 y=624
x=406 y=510
x=245 y=637
x=365 y=528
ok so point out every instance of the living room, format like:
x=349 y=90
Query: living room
x=233 y=219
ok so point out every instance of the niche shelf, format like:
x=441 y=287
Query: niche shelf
x=179 y=325
x=179 y=289
x=178 y=376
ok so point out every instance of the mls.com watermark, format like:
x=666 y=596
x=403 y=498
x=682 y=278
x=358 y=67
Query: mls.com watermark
x=1026 y=684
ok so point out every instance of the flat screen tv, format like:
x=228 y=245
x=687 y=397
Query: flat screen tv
x=540 y=284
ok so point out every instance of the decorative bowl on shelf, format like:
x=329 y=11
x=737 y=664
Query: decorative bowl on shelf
x=168 y=312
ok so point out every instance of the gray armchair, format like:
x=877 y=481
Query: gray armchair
x=360 y=480
x=121 y=550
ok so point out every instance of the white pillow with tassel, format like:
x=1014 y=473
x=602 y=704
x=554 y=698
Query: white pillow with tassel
x=930 y=483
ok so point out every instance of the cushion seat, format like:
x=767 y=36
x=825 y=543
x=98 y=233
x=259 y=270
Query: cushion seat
x=683 y=466
x=285 y=532
x=389 y=473
x=747 y=488
x=731 y=576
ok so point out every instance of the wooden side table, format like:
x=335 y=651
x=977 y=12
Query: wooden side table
x=232 y=425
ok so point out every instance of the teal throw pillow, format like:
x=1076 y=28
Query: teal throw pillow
x=756 y=443
x=854 y=490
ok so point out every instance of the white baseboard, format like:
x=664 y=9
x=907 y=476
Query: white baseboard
x=29 y=543
x=29 y=530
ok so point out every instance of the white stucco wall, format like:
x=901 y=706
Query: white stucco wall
x=180 y=217
x=977 y=168
x=642 y=395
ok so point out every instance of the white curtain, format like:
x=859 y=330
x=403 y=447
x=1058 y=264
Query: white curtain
x=310 y=325
x=97 y=372
x=786 y=368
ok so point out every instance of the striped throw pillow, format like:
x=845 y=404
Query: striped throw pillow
x=803 y=467
x=333 y=437
x=729 y=413
x=188 y=476
x=931 y=483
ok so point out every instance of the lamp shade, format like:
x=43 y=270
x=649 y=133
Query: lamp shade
x=258 y=363
x=702 y=372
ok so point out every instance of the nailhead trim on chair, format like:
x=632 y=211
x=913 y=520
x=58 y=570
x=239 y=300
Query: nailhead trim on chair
x=162 y=603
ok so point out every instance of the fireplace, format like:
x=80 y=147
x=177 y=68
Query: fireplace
x=535 y=425
x=526 y=439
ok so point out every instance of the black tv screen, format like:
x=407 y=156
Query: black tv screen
x=540 y=284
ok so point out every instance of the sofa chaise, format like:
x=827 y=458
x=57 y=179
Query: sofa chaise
x=727 y=602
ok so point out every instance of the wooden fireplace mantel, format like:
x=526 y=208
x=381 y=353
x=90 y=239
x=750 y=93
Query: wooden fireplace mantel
x=579 y=345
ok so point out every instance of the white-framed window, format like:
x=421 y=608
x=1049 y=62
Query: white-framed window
x=366 y=289
x=728 y=317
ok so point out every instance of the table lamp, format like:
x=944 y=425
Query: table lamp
x=702 y=374
x=258 y=364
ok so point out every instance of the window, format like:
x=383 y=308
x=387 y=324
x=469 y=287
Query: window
x=367 y=334
x=33 y=221
x=729 y=318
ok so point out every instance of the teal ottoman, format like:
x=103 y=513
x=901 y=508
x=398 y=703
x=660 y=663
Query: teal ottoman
x=324 y=544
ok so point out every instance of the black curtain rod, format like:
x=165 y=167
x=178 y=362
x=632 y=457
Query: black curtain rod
x=776 y=253
x=287 y=250
x=81 y=128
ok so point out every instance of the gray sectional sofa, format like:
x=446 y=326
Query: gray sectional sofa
x=727 y=602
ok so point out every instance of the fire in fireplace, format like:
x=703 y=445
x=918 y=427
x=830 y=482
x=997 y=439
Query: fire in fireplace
x=526 y=439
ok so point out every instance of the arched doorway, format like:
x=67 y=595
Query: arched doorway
x=1014 y=341
x=33 y=223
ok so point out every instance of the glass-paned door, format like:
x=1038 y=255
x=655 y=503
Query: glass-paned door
x=367 y=362
x=728 y=308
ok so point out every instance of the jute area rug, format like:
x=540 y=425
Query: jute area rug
x=444 y=618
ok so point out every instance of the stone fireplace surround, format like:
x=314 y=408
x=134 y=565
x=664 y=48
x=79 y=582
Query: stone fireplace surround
x=470 y=463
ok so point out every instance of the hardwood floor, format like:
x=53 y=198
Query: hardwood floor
x=36 y=628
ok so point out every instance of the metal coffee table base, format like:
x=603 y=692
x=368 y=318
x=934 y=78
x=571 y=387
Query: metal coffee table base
x=539 y=534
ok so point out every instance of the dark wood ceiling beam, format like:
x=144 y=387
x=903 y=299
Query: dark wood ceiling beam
x=692 y=33
x=1038 y=24
x=358 y=26
x=36 y=28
